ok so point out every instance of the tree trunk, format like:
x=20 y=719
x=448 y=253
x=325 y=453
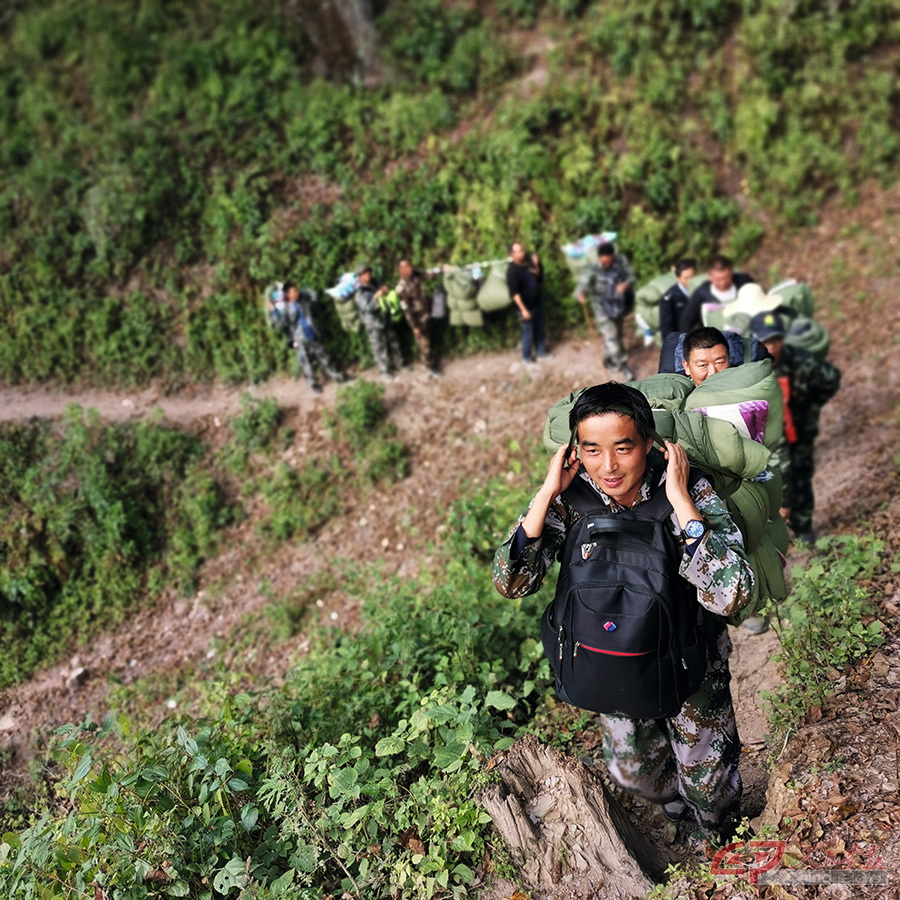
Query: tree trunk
x=567 y=833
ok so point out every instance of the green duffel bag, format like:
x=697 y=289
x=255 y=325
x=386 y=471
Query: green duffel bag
x=795 y=294
x=749 y=507
x=810 y=335
x=493 y=294
x=348 y=314
x=461 y=288
x=734 y=392
x=456 y=318
x=474 y=318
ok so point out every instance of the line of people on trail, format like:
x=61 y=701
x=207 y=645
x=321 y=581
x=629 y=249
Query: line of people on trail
x=653 y=559
x=289 y=312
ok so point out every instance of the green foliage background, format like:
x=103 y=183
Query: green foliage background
x=162 y=161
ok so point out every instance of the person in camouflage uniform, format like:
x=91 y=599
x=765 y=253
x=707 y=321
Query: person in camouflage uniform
x=808 y=384
x=609 y=283
x=688 y=762
x=417 y=309
x=378 y=324
x=306 y=338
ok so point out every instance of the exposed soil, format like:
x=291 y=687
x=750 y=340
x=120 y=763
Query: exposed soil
x=459 y=429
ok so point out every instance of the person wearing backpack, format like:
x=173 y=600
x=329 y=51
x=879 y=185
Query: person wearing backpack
x=808 y=384
x=651 y=563
x=718 y=290
x=417 y=309
x=609 y=283
x=379 y=326
x=306 y=338
x=674 y=300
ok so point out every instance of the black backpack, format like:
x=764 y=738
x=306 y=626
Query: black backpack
x=624 y=633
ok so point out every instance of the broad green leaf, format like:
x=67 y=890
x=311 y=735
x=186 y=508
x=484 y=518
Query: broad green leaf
x=388 y=746
x=499 y=700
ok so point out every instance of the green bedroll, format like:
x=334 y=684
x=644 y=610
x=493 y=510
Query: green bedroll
x=810 y=335
x=493 y=294
x=797 y=295
x=462 y=289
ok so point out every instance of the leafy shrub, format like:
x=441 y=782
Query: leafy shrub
x=358 y=422
x=826 y=623
x=359 y=774
x=94 y=518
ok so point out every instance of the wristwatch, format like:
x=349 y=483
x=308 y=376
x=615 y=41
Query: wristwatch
x=694 y=529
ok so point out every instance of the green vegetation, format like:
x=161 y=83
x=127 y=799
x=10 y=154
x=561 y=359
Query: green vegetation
x=98 y=518
x=827 y=623
x=95 y=516
x=360 y=774
x=159 y=165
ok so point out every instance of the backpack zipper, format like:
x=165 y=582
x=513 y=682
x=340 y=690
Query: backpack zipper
x=560 y=642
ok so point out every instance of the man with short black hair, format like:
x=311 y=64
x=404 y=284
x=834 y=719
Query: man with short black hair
x=378 y=324
x=674 y=300
x=720 y=288
x=705 y=353
x=417 y=309
x=807 y=384
x=609 y=283
x=524 y=275
x=306 y=338
x=689 y=761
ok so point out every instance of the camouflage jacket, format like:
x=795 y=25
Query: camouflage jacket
x=813 y=382
x=413 y=299
x=598 y=283
x=718 y=568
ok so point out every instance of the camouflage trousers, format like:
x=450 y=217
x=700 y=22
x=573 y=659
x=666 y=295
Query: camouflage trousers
x=307 y=349
x=693 y=755
x=799 y=483
x=383 y=341
x=614 y=355
x=420 y=322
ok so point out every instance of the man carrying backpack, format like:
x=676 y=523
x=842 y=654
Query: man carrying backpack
x=719 y=289
x=379 y=327
x=417 y=309
x=669 y=732
x=609 y=283
x=306 y=338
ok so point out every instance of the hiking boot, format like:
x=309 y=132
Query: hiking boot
x=387 y=376
x=435 y=373
x=756 y=624
x=627 y=374
x=676 y=810
x=339 y=378
x=317 y=388
x=806 y=537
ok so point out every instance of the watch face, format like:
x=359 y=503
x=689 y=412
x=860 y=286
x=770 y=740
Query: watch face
x=694 y=529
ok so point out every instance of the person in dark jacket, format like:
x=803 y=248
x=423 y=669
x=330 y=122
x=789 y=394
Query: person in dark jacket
x=675 y=299
x=721 y=288
x=523 y=280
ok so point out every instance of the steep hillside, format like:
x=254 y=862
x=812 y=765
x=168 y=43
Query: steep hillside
x=260 y=606
x=160 y=168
